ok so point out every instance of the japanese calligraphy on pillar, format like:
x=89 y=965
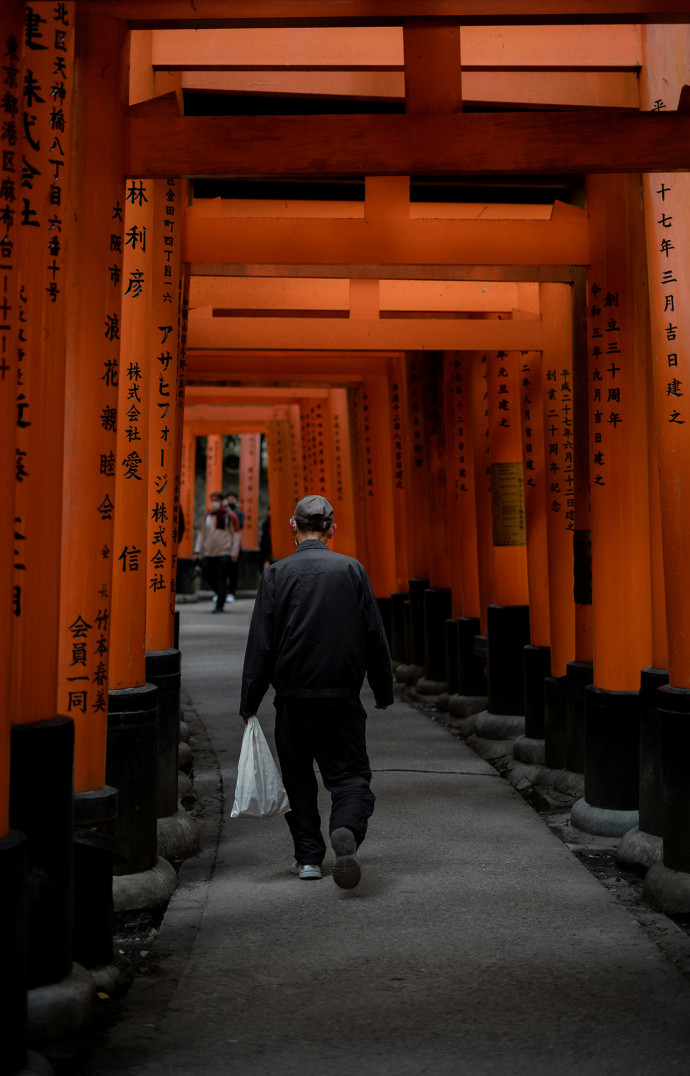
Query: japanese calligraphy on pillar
x=458 y=404
x=607 y=398
x=416 y=406
x=558 y=443
x=368 y=458
x=507 y=474
x=164 y=489
x=397 y=428
x=250 y=456
x=668 y=292
x=36 y=141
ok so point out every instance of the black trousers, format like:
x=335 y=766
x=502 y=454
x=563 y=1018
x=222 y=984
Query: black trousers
x=215 y=570
x=331 y=732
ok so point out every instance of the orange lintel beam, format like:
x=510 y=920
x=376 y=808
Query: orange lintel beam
x=563 y=274
x=533 y=89
x=364 y=334
x=224 y=414
x=366 y=48
x=222 y=13
x=563 y=239
x=252 y=293
x=248 y=395
x=410 y=145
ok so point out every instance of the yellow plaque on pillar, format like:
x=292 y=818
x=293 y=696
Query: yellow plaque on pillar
x=508 y=504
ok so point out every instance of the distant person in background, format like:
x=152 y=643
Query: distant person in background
x=237 y=520
x=217 y=543
x=266 y=545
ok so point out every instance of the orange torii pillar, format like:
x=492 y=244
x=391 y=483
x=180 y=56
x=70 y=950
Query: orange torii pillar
x=437 y=597
x=618 y=329
x=375 y=499
x=508 y=616
x=544 y=483
x=280 y=485
x=479 y=396
x=93 y=352
x=133 y=703
x=175 y=830
x=417 y=510
x=465 y=672
x=557 y=384
x=339 y=453
x=214 y=466
x=42 y=743
x=250 y=473
x=185 y=551
x=13 y=864
x=664 y=747
x=401 y=476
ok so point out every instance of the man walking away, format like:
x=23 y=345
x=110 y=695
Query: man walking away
x=315 y=632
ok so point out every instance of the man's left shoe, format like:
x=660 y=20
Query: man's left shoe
x=346 y=869
x=305 y=870
x=230 y=598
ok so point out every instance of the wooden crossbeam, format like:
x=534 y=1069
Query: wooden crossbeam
x=364 y=334
x=558 y=274
x=150 y=14
x=410 y=145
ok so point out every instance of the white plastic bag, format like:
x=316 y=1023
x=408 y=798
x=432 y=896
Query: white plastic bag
x=259 y=792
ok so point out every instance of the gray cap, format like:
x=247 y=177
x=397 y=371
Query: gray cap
x=313 y=513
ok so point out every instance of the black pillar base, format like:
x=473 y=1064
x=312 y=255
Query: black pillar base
x=131 y=768
x=187 y=572
x=537 y=666
x=508 y=633
x=398 y=625
x=580 y=675
x=674 y=732
x=451 y=637
x=417 y=588
x=437 y=609
x=163 y=671
x=13 y=915
x=41 y=807
x=556 y=722
x=651 y=774
x=471 y=659
x=95 y=851
x=612 y=749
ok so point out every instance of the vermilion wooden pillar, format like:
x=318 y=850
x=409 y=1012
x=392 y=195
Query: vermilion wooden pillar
x=250 y=468
x=543 y=482
x=465 y=671
x=664 y=796
x=508 y=617
x=557 y=389
x=338 y=445
x=618 y=331
x=419 y=545
x=42 y=744
x=377 y=503
x=401 y=467
x=187 y=481
x=13 y=844
x=214 y=465
x=133 y=713
x=280 y=487
x=482 y=488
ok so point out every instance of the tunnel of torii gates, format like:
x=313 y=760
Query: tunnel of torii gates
x=492 y=390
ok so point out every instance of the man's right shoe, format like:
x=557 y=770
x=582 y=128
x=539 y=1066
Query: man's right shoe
x=346 y=869
x=305 y=870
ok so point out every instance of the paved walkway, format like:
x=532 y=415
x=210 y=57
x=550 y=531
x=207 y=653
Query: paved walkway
x=476 y=942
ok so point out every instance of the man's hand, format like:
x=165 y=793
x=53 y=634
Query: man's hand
x=381 y=705
x=246 y=719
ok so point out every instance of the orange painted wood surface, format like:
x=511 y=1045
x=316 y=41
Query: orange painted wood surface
x=561 y=238
x=541 y=89
x=214 y=464
x=442 y=144
x=510 y=552
x=128 y=620
x=667 y=217
x=11 y=22
x=538 y=482
x=618 y=356
x=163 y=477
x=41 y=261
x=378 y=439
x=93 y=354
x=359 y=47
x=187 y=484
x=248 y=493
x=222 y=13
x=431 y=49
x=482 y=485
x=558 y=418
x=339 y=450
x=365 y=334
x=462 y=511
x=436 y=474
x=415 y=449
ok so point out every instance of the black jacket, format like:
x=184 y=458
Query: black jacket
x=315 y=631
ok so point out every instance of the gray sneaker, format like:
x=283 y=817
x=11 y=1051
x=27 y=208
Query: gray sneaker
x=305 y=870
x=346 y=869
